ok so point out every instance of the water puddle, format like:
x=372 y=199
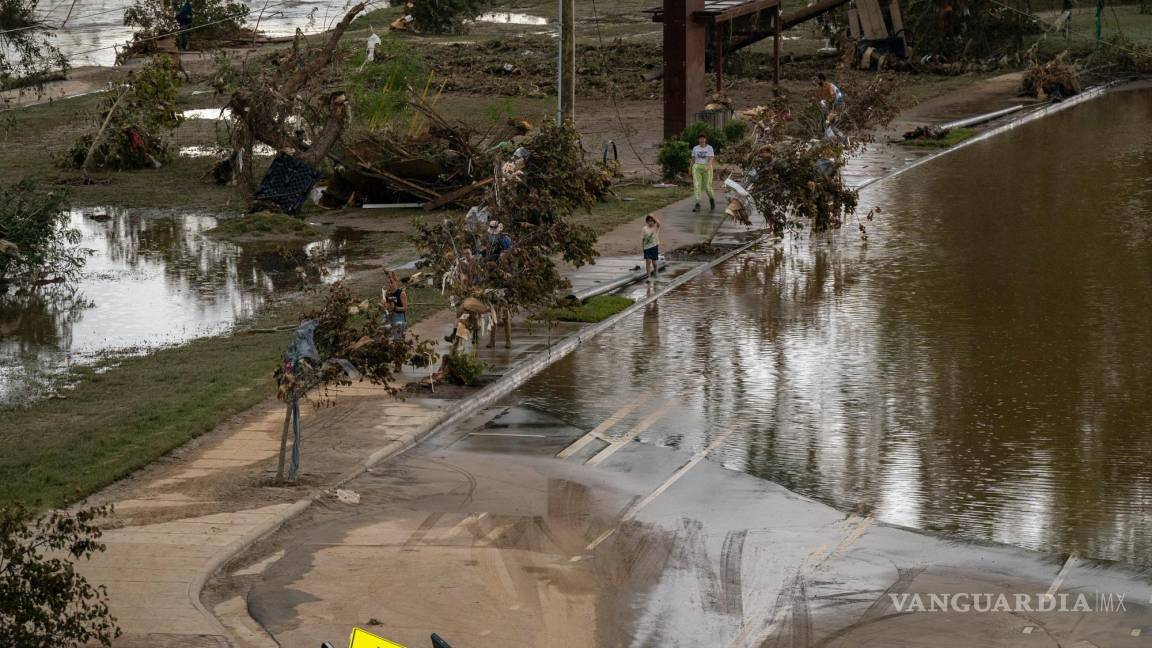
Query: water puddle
x=511 y=18
x=153 y=280
x=211 y=114
x=197 y=151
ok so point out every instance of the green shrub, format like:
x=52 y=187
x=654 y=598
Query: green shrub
x=715 y=136
x=675 y=157
x=461 y=368
x=735 y=130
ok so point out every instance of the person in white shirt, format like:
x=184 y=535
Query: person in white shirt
x=703 y=163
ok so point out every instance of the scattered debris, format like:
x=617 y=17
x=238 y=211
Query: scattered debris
x=347 y=496
x=442 y=165
x=1053 y=79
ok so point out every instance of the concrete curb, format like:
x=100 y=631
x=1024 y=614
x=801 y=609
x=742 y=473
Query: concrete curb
x=524 y=370
x=1050 y=109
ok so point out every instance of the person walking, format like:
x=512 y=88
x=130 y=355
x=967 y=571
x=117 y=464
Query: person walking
x=703 y=164
x=650 y=242
x=396 y=301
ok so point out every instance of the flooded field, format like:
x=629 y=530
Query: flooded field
x=152 y=280
x=94 y=28
x=982 y=366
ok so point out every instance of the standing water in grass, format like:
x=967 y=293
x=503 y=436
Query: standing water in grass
x=153 y=280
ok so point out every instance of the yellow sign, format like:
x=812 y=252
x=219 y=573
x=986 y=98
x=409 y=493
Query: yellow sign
x=362 y=639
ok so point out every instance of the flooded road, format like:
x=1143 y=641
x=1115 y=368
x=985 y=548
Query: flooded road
x=153 y=280
x=983 y=366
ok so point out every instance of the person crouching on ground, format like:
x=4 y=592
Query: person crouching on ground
x=703 y=163
x=650 y=240
x=396 y=301
x=831 y=99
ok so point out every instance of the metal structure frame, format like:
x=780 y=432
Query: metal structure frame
x=697 y=35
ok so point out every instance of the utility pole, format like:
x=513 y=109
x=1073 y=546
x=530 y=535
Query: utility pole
x=566 y=77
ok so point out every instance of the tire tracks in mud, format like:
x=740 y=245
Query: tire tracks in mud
x=787 y=621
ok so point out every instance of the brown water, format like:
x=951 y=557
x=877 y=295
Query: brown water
x=153 y=280
x=982 y=366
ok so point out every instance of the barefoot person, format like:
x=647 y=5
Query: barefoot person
x=650 y=241
x=703 y=163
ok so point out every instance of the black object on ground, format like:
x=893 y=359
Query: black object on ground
x=286 y=184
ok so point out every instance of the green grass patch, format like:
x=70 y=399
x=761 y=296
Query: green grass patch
x=596 y=309
x=262 y=224
x=632 y=202
x=950 y=139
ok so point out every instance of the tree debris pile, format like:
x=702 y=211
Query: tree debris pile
x=1055 y=78
x=502 y=254
x=132 y=123
x=440 y=165
x=791 y=163
x=969 y=29
x=526 y=67
x=291 y=107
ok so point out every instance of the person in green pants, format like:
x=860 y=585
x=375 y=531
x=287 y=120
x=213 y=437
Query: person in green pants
x=703 y=162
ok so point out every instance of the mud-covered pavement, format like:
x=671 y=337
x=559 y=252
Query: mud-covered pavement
x=527 y=531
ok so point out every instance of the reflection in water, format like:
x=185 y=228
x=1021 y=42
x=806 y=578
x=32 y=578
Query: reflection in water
x=152 y=281
x=983 y=366
x=94 y=27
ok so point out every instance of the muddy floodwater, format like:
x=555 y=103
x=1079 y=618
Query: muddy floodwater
x=152 y=280
x=982 y=366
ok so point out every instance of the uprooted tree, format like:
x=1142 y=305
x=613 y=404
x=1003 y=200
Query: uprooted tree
x=37 y=244
x=969 y=28
x=290 y=106
x=792 y=163
x=44 y=603
x=130 y=129
x=344 y=340
x=27 y=54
